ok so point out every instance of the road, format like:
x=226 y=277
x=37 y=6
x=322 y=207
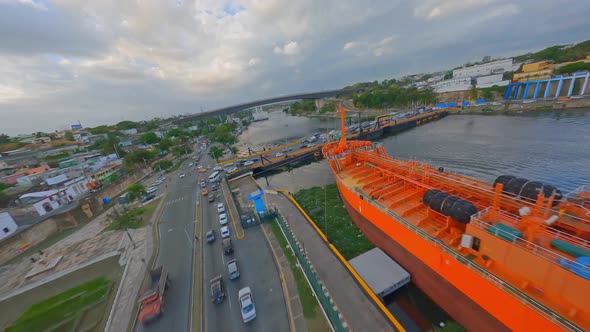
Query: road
x=257 y=270
x=176 y=229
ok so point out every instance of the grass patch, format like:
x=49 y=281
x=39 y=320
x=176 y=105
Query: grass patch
x=309 y=303
x=176 y=166
x=325 y=207
x=62 y=307
x=134 y=218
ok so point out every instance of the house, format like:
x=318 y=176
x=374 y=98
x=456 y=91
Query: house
x=7 y=225
x=131 y=131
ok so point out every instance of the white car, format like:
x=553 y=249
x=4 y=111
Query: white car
x=152 y=190
x=159 y=182
x=220 y=208
x=217 y=168
x=182 y=175
x=231 y=169
x=224 y=232
x=223 y=219
x=248 y=163
x=190 y=164
x=247 y=304
x=279 y=154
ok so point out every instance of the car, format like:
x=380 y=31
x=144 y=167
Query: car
x=255 y=159
x=214 y=187
x=202 y=170
x=203 y=183
x=182 y=175
x=248 y=163
x=152 y=190
x=303 y=146
x=228 y=248
x=159 y=182
x=220 y=208
x=279 y=154
x=162 y=178
x=211 y=198
x=199 y=167
x=208 y=166
x=232 y=268
x=190 y=164
x=147 y=198
x=231 y=170
x=247 y=304
x=288 y=149
x=224 y=232
x=205 y=192
x=217 y=290
x=210 y=236
x=223 y=219
x=217 y=168
x=310 y=145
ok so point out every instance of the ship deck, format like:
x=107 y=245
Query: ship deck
x=398 y=187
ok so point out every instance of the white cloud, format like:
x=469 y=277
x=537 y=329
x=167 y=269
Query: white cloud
x=432 y=9
x=104 y=60
x=291 y=48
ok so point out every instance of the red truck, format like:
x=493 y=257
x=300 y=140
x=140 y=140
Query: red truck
x=152 y=301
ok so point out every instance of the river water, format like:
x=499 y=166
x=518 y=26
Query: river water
x=551 y=147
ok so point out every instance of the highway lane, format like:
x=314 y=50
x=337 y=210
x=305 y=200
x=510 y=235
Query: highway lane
x=176 y=227
x=257 y=270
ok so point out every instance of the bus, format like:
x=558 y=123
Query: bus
x=215 y=177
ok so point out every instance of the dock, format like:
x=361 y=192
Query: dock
x=359 y=310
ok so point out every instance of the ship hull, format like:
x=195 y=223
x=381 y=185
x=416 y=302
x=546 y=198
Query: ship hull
x=468 y=298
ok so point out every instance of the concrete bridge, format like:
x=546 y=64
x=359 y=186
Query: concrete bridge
x=240 y=107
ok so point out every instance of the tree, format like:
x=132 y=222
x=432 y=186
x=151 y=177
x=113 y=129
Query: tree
x=165 y=144
x=139 y=156
x=99 y=130
x=225 y=138
x=215 y=152
x=149 y=138
x=180 y=150
x=135 y=191
x=487 y=94
x=69 y=136
x=473 y=93
x=4 y=139
x=163 y=165
x=124 y=125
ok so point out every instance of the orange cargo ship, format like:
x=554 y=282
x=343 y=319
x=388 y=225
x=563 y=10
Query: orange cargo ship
x=513 y=255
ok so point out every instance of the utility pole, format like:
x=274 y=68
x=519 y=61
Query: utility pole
x=116 y=152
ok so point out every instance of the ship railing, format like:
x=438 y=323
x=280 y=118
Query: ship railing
x=581 y=189
x=481 y=221
x=497 y=281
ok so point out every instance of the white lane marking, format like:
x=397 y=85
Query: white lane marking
x=171 y=229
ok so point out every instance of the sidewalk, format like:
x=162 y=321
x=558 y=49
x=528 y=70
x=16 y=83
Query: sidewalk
x=136 y=260
x=360 y=312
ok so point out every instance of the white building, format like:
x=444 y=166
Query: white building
x=494 y=67
x=7 y=225
x=454 y=84
x=491 y=80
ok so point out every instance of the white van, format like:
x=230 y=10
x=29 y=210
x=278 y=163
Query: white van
x=215 y=177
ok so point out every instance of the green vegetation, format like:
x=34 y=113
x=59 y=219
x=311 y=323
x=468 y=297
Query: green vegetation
x=176 y=166
x=325 y=208
x=329 y=106
x=130 y=219
x=62 y=155
x=11 y=146
x=4 y=139
x=136 y=191
x=215 y=152
x=573 y=67
x=149 y=138
x=99 y=130
x=302 y=107
x=125 y=125
x=69 y=136
x=165 y=144
x=223 y=134
x=181 y=150
x=63 y=307
x=308 y=302
x=107 y=146
x=139 y=156
x=392 y=94
x=162 y=165
x=559 y=53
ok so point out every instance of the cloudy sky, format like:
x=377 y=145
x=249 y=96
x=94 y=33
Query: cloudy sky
x=104 y=61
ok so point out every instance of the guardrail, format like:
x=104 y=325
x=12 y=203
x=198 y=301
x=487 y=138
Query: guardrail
x=336 y=319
